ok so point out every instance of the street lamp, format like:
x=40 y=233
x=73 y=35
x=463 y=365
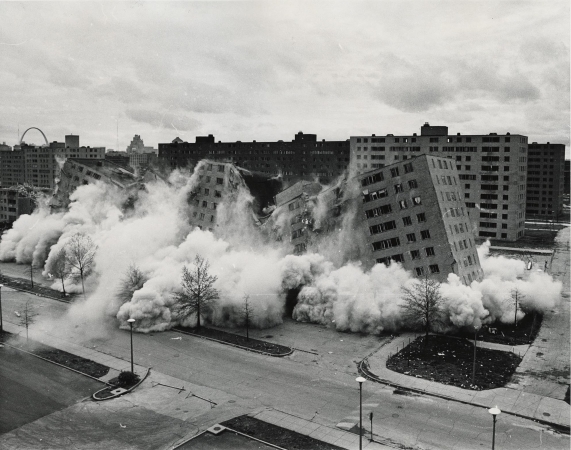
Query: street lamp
x=1 y=324
x=360 y=380
x=494 y=412
x=131 y=322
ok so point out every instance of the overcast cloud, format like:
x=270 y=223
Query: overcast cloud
x=265 y=70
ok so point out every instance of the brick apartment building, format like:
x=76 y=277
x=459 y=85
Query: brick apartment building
x=303 y=158
x=492 y=169
x=545 y=180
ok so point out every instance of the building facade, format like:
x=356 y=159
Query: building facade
x=414 y=213
x=303 y=158
x=545 y=181
x=492 y=169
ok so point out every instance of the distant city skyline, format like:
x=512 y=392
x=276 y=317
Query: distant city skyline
x=266 y=70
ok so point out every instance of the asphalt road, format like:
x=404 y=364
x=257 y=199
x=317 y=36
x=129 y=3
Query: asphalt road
x=319 y=387
x=31 y=388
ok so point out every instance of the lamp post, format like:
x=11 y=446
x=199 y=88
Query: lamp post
x=494 y=412
x=360 y=380
x=131 y=322
x=1 y=324
x=474 y=363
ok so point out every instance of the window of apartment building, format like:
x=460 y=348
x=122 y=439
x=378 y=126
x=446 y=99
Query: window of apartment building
x=398 y=188
x=209 y=167
x=395 y=172
x=217 y=194
x=412 y=184
x=468 y=167
x=204 y=204
x=415 y=254
x=504 y=217
x=433 y=139
x=411 y=237
x=387 y=243
x=416 y=201
x=219 y=180
x=201 y=216
x=505 y=197
x=419 y=271
x=407 y=221
x=384 y=209
x=408 y=168
x=421 y=217
x=220 y=168
x=504 y=235
x=434 y=268
x=470 y=205
x=429 y=251
x=506 y=168
x=382 y=227
x=504 y=206
x=403 y=204
x=468 y=158
x=425 y=234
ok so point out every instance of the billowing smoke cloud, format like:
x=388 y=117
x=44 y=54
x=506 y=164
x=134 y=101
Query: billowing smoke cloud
x=333 y=289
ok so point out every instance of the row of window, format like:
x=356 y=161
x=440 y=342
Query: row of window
x=395 y=241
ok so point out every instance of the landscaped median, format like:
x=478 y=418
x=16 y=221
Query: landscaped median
x=121 y=385
x=235 y=340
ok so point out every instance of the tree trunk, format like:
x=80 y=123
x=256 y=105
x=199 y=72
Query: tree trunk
x=82 y=285
x=198 y=314
x=63 y=287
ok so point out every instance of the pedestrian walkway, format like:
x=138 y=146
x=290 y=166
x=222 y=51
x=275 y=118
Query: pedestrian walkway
x=545 y=367
x=341 y=438
x=513 y=401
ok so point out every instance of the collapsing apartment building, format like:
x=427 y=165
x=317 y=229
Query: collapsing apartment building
x=411 y=212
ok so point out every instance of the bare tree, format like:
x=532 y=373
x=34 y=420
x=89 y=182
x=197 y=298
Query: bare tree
x=516 y=297
x=80 y=253
x=60 y=268
x=247 y=314
x=29 y=270
x=132 y=281
x=28 y=316
x=198 y=293
x=423 y=304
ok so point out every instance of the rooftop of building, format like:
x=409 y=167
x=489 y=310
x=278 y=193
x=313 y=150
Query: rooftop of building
x=300 y=137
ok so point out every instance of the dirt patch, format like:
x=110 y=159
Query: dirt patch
x=66 y=359
x=508 y=334
x=235 y=339
x=276 y=435
x=449 y=361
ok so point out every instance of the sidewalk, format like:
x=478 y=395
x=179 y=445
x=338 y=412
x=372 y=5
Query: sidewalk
x=323 y=433
x=513 y=401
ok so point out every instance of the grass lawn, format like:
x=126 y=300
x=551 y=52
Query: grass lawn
x=276 y=435
x=236 y=339
x=449 y=360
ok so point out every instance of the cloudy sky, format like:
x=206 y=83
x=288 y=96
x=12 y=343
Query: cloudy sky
x=265 y=70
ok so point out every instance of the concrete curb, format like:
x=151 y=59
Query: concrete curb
x=16 y=288
x=363 y=370
x=94 y=396
x=236 y=345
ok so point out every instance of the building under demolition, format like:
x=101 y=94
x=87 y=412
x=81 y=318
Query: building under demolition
x=411 y=212
x=78 y=172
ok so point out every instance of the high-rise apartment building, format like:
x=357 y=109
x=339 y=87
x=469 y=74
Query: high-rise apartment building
x=303 y=158
x=545 y=180
x=492 y=169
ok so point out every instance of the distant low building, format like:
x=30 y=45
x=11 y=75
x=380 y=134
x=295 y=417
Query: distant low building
x=119 y=158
